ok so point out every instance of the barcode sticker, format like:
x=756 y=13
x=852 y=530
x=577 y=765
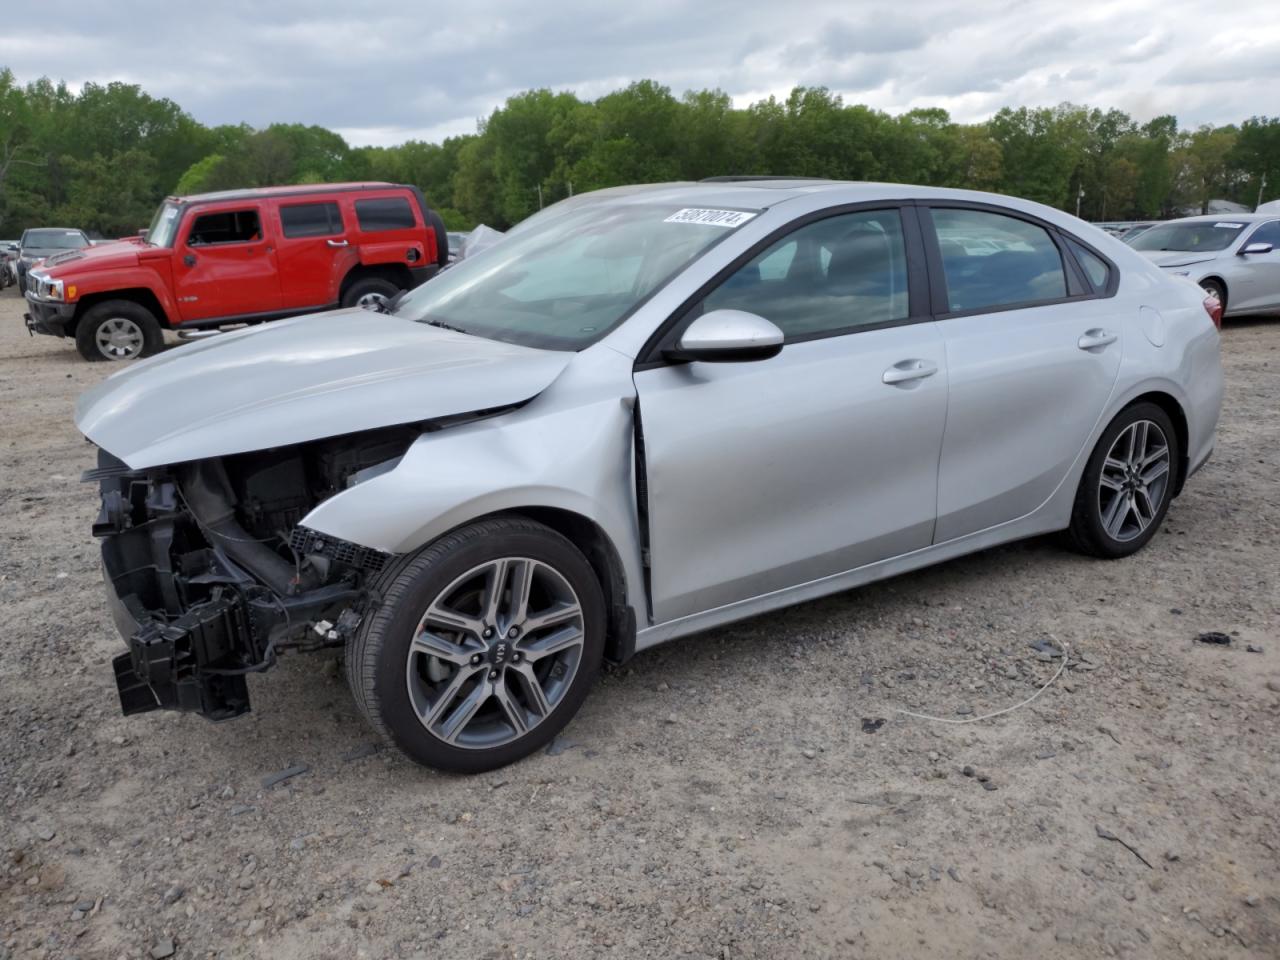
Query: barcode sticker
x=1228 y=226
x=713 y=218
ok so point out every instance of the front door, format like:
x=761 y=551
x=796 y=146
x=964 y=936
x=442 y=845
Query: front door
x=225 y=264
x=767 y=474
x=1255 y=278
x=1032 y=357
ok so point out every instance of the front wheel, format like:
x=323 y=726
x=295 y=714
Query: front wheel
x=483 y=648
x=1127 y=485
x=118 y=330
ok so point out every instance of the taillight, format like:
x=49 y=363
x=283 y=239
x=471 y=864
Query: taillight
x=1213 y=307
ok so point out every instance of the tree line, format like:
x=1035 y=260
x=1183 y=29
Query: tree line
x=103 y=157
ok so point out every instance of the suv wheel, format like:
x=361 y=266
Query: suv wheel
x=484 y=646
x=370 y=293
x=118 y=330
x=1127 y=485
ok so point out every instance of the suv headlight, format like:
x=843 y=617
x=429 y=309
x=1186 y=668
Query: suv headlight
x=51 y=289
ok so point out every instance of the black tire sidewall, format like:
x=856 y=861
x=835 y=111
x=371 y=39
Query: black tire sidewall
x=1092 y=516
x=86 y=328
x=368 y=285
x=396 y=710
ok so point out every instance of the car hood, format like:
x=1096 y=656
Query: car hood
x=103 y=256
x=303 y=379
x=1176 y=258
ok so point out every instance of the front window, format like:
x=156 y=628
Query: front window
x=1199 y=236
x=163 y=225
x=565 y=282
x=55 y=240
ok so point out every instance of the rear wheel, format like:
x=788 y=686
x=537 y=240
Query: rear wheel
x=483 y=648
x=370 y=293
x=1127 y=485
x=118 y=330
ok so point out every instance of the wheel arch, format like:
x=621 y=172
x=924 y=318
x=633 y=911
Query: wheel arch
x=142 y=296
x=396 y=273
x=590 y=538
x=1226 y=290
x=1173 y=408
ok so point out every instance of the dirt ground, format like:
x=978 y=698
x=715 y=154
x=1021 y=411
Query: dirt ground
x=726 y=796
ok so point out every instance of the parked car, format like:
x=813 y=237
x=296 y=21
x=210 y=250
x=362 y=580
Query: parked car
x=9 y=252
x=645 y=412
x=240 y=256
x=1235 y=258
x=39 y=244
x=1133 y=232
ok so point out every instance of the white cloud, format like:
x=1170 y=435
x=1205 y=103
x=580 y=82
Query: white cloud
x=380 y=73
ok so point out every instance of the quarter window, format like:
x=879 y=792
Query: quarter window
x=311 y=220
x=991 y=260
x=389 y=213
x=1094 y=266
x=830 y=276
x=225 y=226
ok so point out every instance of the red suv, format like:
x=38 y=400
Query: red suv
x=239 y=256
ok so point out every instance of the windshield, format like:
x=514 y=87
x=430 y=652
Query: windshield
x=566 y=281
x=55 y=240
x=1192 y=237
x=163 y=225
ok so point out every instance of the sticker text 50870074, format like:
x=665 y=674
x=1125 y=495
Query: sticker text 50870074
x=714 y=218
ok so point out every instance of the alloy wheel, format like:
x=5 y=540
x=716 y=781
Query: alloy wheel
x=495 y=652
x=372 y=301
x=1134 y=480
x=119 y=338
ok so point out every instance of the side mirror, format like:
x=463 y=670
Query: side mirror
x=727 y=336
x=1249 y=248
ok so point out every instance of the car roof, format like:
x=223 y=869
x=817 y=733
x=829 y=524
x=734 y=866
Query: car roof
x=293 y=190
x=1223 y=218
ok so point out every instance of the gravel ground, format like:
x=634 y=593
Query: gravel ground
x=731 y=795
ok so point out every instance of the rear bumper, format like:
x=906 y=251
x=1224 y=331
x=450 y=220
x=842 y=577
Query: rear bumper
x=54 y=319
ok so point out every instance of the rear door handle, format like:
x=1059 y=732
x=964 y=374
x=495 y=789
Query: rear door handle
x=904 y=371
x=338 y=243
x=1095 y=338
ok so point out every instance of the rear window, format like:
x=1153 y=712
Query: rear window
x=311 y=220
x=991 y=260
x=389 y=213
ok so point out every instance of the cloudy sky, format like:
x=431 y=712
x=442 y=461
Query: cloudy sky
x=384 y=72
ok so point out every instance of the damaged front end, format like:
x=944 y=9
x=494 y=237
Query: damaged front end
x=211 y=576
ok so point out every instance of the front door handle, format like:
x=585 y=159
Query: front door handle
x=189 y=260
x=904 y=371
x=1096 y=338
x=338 y=243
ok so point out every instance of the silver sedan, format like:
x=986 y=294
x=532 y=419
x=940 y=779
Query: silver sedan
x=1236 y=257
x=644 y=412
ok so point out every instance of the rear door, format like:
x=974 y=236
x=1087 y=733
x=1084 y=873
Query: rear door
x=767 y=474
x=314 y=252
x=1033 y=342
x=1255 y=277
x=225 y=263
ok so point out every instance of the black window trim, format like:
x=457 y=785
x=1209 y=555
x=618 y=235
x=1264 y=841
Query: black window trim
x=937 y=277
x=331 y=207
x=918 y=295
x=197 y=213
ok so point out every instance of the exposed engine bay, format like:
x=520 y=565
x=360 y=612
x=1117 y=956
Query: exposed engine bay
x=211 y=576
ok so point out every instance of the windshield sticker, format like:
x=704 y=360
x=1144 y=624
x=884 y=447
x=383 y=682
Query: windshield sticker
x=713 y=218
x=1228 y=226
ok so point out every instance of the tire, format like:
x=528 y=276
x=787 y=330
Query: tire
x=419 y=702
x=118 y=330
x=437 y=226
x=368 y=290
x=1119 y=517
x=1214 y=288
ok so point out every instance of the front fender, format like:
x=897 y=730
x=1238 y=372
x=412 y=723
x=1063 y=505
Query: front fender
x=562 y=450
x=104 y=284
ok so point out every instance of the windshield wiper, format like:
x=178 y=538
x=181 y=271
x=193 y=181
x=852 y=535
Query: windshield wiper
x=443 y=326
